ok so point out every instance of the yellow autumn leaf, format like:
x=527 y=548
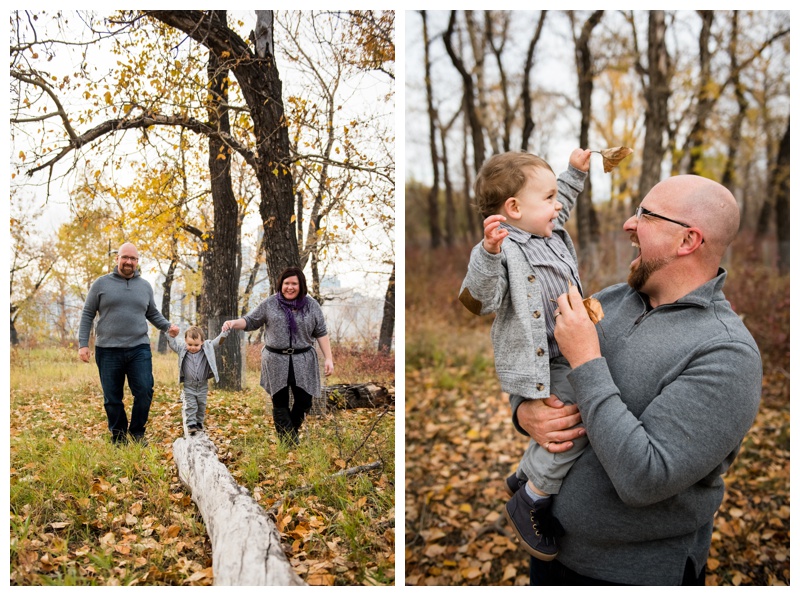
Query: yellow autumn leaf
x=473 y=434
x=465 y=508
x=293 y=218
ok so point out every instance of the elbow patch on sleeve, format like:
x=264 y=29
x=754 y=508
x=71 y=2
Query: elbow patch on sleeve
x=474 y=306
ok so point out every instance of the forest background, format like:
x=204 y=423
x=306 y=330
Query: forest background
x=703 y=92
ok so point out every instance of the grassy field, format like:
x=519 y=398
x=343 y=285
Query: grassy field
x=460 y=444
x=84 y=512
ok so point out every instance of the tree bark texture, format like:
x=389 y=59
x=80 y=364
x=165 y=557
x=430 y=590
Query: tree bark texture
x=246 y=547
x=527 y=103
x=478 y=145
x=165 y=302
x=780 y=185
x=657 y=93
x=433 y=194
x=588 y=226
x=223 y=264
x=387 y=323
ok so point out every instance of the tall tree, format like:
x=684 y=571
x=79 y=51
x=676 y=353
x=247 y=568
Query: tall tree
x=655 y=76
x=779 y=184
x=470 y=96
x=387 y=322
x=588 y=227
x=527 y=103
x=433 y=194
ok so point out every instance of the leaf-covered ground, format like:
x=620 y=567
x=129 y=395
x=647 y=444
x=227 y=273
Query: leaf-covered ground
x=461 y=445
x=84 y=512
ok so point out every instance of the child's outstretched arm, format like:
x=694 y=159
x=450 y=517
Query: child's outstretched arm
x=173 y=344
x=570 y=183
x=220 y=339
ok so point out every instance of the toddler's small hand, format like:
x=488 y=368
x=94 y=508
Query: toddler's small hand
x=493 y=234
x=580 y=159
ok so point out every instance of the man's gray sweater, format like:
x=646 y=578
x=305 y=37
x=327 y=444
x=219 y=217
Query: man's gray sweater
x=124 y=306
x=665 y=409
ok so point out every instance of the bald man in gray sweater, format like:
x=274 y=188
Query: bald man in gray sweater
x=666 y=392
x=124 y=302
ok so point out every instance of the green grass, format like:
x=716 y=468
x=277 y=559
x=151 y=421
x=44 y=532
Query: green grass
x=85 y=512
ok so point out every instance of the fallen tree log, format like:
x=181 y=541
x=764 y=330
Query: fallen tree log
x=363 y=395
x=245 y=544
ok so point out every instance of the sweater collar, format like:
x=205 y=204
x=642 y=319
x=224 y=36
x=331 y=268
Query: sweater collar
x=704 y=295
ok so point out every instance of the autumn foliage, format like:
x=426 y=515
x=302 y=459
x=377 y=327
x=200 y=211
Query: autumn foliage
x=461 y=445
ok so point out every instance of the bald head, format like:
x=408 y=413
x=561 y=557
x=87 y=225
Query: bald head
x=127 y=260
x=704 y=204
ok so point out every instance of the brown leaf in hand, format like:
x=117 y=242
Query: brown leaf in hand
x=594 y=309
x=613 y=155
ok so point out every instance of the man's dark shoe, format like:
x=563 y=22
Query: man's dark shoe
x=532 y=523
x=513 y=484
x=140 y=439
x=192 y=429
x=199 y=426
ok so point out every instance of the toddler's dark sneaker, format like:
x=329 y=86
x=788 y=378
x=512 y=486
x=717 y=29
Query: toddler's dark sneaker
x=193 y=429
x=513 y=484
x=533 y=525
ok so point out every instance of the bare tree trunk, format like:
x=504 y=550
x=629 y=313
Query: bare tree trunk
x=693 y=148
x=657 y=93
x=473 y=225
x=527 y=104
x=387 y=323
x=223 y=262
x=497 y=50
x=478 y=145
x=166 y=300
x=433 y=194
x=780 y=188
x=741 y=101
x=588 y=228
x=449 y=201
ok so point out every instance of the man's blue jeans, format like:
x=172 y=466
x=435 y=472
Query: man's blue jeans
x=136 y=364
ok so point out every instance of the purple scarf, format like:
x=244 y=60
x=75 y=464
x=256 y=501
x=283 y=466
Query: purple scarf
x=288 y=307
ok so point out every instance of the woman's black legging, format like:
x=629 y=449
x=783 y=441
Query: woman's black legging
x=286 y=420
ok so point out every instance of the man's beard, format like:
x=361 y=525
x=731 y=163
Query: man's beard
x=642 y=272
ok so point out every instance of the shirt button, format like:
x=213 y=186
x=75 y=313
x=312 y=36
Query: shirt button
x=539 y=387
x=536 y=314
x=531 y=278
x=540 y=352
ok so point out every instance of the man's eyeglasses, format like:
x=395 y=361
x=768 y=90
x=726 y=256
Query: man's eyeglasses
x=642 y=211
x=134 y=259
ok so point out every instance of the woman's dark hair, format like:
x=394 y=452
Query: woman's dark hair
x=298 y=273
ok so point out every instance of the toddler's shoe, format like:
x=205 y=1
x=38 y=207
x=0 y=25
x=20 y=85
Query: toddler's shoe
x=532 y=523
x=193 y=429
x=513 y=484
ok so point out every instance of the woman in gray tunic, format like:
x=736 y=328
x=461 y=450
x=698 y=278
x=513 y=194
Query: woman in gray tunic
x=292 y=321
